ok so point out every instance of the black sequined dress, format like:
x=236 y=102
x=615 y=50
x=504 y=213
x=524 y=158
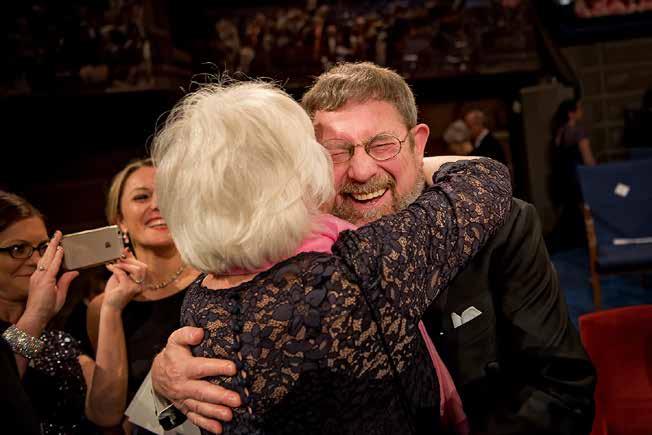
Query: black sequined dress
x=329 y=344
x=55 y=385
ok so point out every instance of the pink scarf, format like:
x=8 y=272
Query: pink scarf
x=326 y=231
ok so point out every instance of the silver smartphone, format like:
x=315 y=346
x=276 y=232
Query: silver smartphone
x=92 y=247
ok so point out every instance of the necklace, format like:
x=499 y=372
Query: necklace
x=167 y=282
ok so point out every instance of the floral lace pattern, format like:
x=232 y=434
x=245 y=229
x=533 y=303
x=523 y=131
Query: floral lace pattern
x=330 y=343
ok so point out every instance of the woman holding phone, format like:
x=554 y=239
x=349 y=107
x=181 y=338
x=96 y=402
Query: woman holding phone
x=61 y=383
x=143 y=325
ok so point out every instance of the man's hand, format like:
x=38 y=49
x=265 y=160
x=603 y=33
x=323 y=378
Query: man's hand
x=177 y=375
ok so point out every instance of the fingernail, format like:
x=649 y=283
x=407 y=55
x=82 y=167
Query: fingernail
x=123 y=256
x=59 y=248
x=234 y=399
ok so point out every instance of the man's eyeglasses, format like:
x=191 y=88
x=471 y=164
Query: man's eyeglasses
x=382 y=147
x=23 y=251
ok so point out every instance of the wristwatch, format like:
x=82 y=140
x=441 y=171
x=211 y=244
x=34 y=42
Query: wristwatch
x=169 y=416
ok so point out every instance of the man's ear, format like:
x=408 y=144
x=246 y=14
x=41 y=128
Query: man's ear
x=421 y=132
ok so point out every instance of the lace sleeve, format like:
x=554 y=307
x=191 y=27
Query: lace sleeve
x=410 y=256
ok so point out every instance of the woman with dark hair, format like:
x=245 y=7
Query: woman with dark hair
x=61 y=383
x=569 y=136
x=570 y=148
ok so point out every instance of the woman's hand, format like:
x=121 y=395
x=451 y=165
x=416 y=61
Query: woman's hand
x=126 y=281
x=47 y=294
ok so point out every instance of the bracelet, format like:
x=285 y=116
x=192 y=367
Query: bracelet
x=22 y=343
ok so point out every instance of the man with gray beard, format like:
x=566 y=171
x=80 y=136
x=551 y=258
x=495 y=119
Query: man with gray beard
x=502 y=327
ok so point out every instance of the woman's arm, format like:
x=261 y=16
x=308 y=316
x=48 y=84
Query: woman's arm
x=412 y=255
x=585 y=151
x=107 y=390
x=46 y=295
x=106 y=398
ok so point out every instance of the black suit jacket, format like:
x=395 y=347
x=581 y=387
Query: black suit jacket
x=520 y=367
x=490 y=147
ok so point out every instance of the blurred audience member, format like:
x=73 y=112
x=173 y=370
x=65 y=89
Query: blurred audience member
x=143 y=323
x=112 y=44
x=571 y=142
x=458 y=138
x=644 y=138
x=570 y=148
x=598 y=8
x=484 y=143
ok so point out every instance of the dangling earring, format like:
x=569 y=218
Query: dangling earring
x=125 y=239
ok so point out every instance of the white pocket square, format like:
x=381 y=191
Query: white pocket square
x=467 y=315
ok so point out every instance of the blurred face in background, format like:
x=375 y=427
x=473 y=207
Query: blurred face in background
x=366 y=188
x=15 y=272
x=139 y=213
x=474 y=125
x=578 y=114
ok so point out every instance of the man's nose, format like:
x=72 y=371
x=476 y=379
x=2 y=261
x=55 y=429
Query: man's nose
x=361 y=166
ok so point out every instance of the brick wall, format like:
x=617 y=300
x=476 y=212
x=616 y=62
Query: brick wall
x=613 y=77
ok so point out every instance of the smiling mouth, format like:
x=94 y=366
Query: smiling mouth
x=366 y=197
x=157 y=223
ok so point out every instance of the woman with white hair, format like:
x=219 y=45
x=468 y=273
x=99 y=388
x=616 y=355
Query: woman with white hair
x=458 y=138
x=323 y=342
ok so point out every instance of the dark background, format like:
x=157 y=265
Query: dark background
x=81 y=94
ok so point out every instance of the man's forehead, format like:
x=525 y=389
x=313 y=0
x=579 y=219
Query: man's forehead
x=325 y=132
x=358 y=120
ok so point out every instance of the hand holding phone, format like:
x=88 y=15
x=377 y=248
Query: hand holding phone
x=91 y=248
x=126 y=280
x=47 y=293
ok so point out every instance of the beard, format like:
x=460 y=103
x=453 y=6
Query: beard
x=347 y=211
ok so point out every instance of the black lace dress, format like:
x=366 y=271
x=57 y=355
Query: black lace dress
x=329 y=344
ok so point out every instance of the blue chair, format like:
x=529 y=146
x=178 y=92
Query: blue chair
x=618 y=218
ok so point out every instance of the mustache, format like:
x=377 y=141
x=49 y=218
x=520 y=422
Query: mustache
x=376 y=183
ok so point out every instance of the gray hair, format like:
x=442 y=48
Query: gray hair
x=360 y=82
x=239 y=175
x=457 y=132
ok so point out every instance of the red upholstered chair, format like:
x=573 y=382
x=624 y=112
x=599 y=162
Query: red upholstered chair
x=619 y=342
